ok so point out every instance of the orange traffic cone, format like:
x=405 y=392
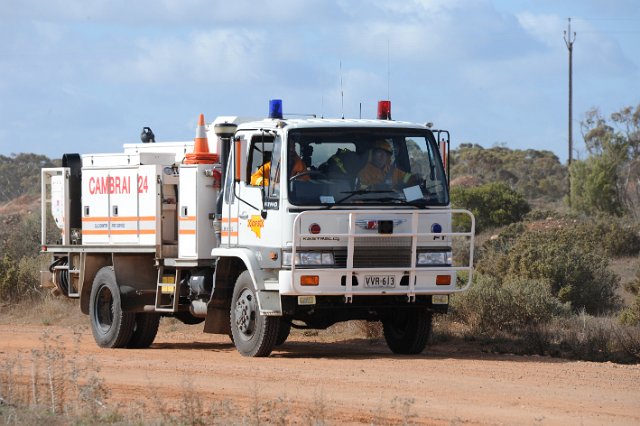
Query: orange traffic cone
x=201 y=154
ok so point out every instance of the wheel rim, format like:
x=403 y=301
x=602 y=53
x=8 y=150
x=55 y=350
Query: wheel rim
x=104 y=309
x=245 y=314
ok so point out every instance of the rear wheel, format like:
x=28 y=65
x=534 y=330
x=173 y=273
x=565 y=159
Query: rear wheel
x=110 y=325
x=283 y=331
x=254 y=335
x=407 y=332
x=144 y=331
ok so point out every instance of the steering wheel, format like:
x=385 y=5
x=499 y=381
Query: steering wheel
x=306 y=173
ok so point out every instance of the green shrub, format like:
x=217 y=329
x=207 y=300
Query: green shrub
x=514 y=304
x=577 y=272
x=493 y=205
x=631 y=314
x=20 y=261
x=20 y=279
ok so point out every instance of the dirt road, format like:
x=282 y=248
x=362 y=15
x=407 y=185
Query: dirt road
x=352 y=381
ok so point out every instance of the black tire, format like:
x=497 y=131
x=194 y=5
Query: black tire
x=110 y=325
x=254 y=335
x=283 y=331
x=407 y=332
x=144 y=331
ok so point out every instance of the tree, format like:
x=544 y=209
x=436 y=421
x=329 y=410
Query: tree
x=20 y=174
x=609 y=180
x=535 y=174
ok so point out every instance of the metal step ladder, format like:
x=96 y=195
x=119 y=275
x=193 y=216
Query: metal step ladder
x=168 y=287
x=72 y=289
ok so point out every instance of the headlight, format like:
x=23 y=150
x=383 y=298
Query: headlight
x=434 y=258
x=309 y=258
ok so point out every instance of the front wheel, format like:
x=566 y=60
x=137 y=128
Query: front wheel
x=111 y=326
x=407 y=332
x=254 y=335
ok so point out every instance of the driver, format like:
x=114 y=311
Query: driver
x=295 y=166
x=380 y=171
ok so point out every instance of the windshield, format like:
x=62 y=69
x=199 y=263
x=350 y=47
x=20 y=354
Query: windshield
x=345 y=166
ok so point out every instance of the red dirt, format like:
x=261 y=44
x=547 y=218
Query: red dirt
x=355 y=381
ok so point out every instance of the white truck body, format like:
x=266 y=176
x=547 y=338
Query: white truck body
x=144 y=235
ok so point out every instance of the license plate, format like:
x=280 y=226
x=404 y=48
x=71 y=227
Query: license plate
x=440 y=299
x=379 y=281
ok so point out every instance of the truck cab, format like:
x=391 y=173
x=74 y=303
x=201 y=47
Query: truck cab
x=337 y=230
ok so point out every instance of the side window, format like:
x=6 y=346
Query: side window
x=259 y=155
x=274 y=179
x=228 y=181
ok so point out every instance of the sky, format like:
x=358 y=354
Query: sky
x=86 y=76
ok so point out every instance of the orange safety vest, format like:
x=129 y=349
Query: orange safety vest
x=262 y=174
x=372 y=175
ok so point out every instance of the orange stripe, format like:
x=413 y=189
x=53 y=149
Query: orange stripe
x=119 y=232
x=187 y=232
x=188 y=218
x=226 y=220
x=118 y=218
x=227 y=234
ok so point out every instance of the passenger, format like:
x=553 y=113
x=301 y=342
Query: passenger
x=380 y=171
x=296 y=165
x=344 y=164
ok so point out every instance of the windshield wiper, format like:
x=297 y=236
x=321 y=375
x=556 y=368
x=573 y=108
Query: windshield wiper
x=358 y=192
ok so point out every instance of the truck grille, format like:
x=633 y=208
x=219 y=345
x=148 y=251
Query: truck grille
x=378 y=253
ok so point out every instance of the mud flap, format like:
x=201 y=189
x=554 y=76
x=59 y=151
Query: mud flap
x=269 y=303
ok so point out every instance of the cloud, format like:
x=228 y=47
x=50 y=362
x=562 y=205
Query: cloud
x=595 y=52
x=220 y=56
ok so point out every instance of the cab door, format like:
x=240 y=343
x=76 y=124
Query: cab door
x=259 y=160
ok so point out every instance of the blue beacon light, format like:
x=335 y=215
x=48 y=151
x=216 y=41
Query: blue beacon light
x=275 y=108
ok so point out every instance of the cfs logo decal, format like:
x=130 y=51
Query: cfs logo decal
x=256 y=223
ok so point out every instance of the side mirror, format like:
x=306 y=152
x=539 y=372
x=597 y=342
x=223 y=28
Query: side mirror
x=238 y=157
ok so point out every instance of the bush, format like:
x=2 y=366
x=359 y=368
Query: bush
x=20 y=279
x=20 y=261
x=514 y=304
x=631 y=314
x=576 y=272
x=493 y=204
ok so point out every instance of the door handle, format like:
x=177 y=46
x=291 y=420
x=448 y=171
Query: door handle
x=243 y=215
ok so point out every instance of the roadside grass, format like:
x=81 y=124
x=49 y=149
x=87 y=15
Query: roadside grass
x=576 y=337
x=45 y=310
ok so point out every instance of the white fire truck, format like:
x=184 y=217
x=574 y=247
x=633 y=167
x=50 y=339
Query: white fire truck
x=160 y=230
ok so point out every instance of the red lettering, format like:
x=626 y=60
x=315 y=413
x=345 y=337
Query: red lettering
x=143 y=184
x=115 y=184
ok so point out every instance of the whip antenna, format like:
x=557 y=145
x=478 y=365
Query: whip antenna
x=341 y=91
x=388 y=71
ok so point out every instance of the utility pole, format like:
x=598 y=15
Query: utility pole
x=569 y=39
